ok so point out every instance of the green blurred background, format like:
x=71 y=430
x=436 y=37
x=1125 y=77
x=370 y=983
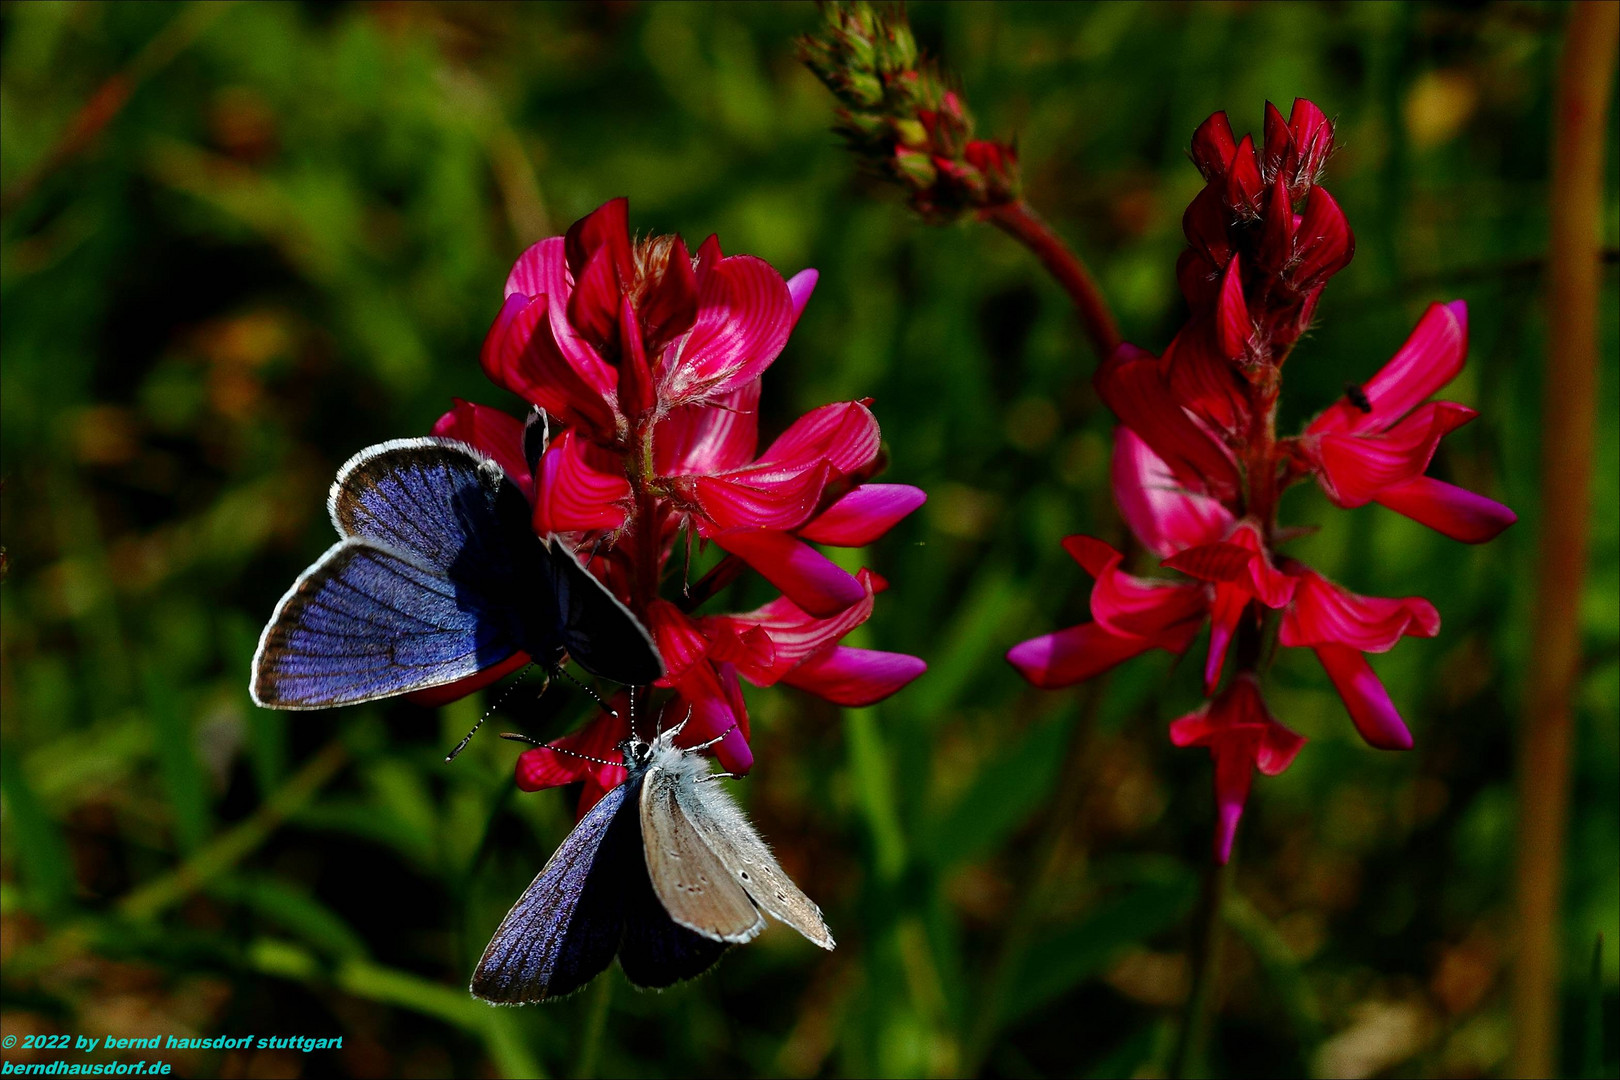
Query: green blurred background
x=288 y=242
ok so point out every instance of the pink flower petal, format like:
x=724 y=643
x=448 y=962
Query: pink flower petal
x=542 y=270
x=855 y=677
x=864 y=515
x=608 y=226
x=520 y=355
x=845 y=434
x=756 y=498
x=794 y=635
x=491 y=432
x=745 y=314
x=551 y=766
x=1364 y=695
x=709 y=438
x=1132 y=385
x=1224 y=615
x=1432 y=356
x=680 y=642
x=812 y=580
x=800 y=286
x=576 y=491
x=1354 y=467
x=1326 y=614
x=1073 y=655
x=1161 y=511
x=1446 y=508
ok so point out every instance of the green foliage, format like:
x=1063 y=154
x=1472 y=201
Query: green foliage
x=287 y=242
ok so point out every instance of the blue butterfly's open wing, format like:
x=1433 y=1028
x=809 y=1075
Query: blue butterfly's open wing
x=368 y=622
x=565 y=928
x=437 y=579
x=598 y=632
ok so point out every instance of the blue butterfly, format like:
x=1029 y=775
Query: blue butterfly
x=438 y=576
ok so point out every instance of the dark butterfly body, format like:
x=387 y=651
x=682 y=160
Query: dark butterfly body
x=664 y=872
x=438 y=576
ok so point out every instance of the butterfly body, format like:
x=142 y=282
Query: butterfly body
x=437 y=576
x=664 y=872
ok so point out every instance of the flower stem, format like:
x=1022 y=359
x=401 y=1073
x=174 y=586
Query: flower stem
x=1191 y=1056
x=1569 y=403
x=1022 y=223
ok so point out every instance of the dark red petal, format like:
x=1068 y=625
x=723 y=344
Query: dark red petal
x=1205 y=223
x=1243 y=183
x=1213 y=146
x=1457 y=512
x=544 y=766
x=637 y=397
x=1094 y=555
x=855 y=677
x=681 y=643
x=1365 y=697
x=1224 y=615
x=864 y=515
x=1313 y=139
x=671 y=306
x=1219 y=561
x=1204 y=380
x=593 y=308
x=608 y=226
x=1322 y=240
x=805 y=575
x=1277 y=236
x=1232 y=324
x=1278 y=142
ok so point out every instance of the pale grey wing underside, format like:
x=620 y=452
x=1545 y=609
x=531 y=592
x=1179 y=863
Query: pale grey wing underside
x=742 y=852
x=695 y=887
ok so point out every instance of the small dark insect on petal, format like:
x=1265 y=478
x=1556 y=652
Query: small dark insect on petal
x=1358 y=397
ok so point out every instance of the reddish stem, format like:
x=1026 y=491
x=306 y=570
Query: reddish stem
x=1569 y=403
x=1023 y=224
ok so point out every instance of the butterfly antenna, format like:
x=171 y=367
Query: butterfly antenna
x=462 y=745
x=610 y=710
x=711 y=742
x=633 y=734
x=515 y=737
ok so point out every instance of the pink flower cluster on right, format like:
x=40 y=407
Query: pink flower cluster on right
x=1198 y=467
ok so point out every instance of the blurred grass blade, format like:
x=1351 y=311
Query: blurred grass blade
x=293 y=910
x=1054 y=965
x=873 y=778
x=1292 y=990
x=1592 y=1051
x=1000 y=798
x=230 y=847
x=42 y=854
x=175 y=749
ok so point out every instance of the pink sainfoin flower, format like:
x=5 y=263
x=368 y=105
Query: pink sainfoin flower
x=650 y=357
x=1198 y=467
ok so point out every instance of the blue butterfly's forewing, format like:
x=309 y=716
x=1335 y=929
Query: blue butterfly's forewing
x=367 y=622
x=565 y=928
x=657 y=951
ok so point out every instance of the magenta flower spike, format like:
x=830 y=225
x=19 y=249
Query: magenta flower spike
x=647 y=359
x=1198 y=468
